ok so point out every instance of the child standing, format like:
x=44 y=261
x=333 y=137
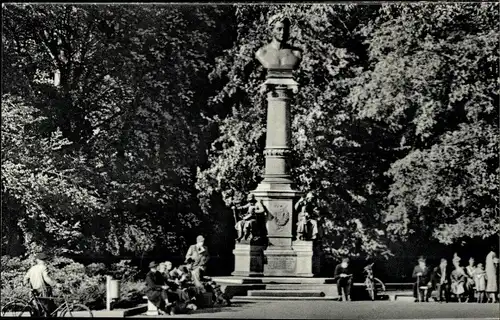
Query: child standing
x=458 y=282
x=480 y=279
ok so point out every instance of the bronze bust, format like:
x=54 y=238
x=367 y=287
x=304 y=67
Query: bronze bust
x=278 y=54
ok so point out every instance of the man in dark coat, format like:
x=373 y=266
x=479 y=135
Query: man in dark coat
x=156 y=290
x=422 y=274
x=441 y=280
x=343 y=275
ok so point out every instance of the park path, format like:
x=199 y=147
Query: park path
x=347 y=310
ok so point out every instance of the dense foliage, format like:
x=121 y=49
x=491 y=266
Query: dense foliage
x=124 y=117
x=126 y=130
x=87 y=284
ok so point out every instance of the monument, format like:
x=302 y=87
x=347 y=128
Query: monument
x=289 y=234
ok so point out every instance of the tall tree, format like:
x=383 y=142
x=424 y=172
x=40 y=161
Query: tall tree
x=432 y=85
x=126 y=95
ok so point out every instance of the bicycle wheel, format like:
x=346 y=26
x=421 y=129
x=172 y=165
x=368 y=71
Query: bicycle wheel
x=370 y=289
x=77 y=311
x=371 y=293
x=18 y=309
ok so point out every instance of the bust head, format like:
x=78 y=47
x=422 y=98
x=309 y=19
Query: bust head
x=280 y=27
x=278 y=54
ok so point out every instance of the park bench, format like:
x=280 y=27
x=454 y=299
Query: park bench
x=152 y=309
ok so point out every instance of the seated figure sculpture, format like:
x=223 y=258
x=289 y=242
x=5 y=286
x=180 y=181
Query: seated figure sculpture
x=307 y=226
x=248 y=227
x=278 y=54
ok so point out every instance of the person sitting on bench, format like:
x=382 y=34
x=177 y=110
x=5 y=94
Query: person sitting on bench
x=441 y=281
x=183 y=297
x=343 y=275
x=422 y=288
x=157 y=290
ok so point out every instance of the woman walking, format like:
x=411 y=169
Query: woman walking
x=491 y=275
x=470 y=283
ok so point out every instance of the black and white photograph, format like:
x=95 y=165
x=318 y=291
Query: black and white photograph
x=260 y=160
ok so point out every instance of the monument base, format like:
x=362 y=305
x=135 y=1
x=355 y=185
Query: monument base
x=280 y=262
x=248 y=260
x=305 y=258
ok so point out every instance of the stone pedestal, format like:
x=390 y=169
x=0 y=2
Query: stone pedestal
x=305 y=258
x=280 y=263
x=248 y=260
x=275 y=190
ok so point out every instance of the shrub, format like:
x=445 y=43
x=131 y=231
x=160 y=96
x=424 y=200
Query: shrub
x=131 y=293
x=87 y=284
x=96 y=269
x=124 y=271
x=12 y=271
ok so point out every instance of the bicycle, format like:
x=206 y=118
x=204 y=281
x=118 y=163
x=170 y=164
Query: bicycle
x=35 y=308
x=373 y=285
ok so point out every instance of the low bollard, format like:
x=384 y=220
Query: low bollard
x=112 y=291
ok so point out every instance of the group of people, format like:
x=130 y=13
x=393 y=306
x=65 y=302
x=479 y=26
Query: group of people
x=177 y=290
x=473 y=282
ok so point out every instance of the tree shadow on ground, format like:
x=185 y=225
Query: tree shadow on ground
x=235 y=306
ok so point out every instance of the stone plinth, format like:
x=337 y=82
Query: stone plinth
x=276 y=191
x=248 y=260
x=280 y=262
x=305 y=258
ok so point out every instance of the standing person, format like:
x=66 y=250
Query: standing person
x=156 y=290
x=456 y=260
x=344 y=279
x=480 y=279
x=39 y=280
x=491 y=275
x=199 y=254
x=470 y=283
x=422 y=274
x=441 y=281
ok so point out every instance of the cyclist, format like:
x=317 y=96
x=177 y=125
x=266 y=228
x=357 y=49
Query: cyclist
x=37 y=276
